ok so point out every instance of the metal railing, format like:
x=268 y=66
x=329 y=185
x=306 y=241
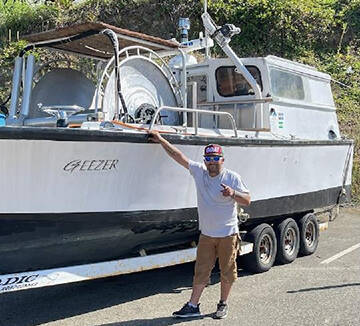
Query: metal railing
x=247 y=101
x=235 y=106
x=196 y=111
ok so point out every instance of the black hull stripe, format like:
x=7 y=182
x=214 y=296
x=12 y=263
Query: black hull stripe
x=40 y=241
x=81 y=135
x=297 y=203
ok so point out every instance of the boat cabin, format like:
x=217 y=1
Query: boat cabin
x=297 y=98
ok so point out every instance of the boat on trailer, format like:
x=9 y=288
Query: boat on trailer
x=83 y=186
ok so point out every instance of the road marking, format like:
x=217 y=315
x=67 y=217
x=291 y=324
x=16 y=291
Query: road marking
x=340 y=254
x=325 y=268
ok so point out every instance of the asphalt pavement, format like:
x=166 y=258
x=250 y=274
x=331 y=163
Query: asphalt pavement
x=321 y=289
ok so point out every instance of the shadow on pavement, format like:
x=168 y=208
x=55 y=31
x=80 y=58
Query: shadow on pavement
x=157 y=321
x=324 y=288
x=38 y=306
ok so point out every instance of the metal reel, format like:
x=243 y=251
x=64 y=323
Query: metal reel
x=145 y=87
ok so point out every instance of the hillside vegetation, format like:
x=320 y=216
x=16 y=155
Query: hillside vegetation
x=322 y=33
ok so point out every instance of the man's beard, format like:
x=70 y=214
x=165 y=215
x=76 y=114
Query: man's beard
x=214 y=169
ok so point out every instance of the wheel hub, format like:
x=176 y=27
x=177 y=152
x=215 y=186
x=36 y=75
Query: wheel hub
x=290 y=241
x=266 y=246
x=310 y=234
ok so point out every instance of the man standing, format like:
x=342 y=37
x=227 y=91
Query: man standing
x=218 y=192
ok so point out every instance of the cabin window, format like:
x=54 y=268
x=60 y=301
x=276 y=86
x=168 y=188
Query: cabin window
x=230 y=83
x=288 y=85
x=320 y=92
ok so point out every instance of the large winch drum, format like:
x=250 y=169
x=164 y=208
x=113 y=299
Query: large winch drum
x=145 y=87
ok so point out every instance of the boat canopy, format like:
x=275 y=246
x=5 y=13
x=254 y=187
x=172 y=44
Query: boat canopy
x=86 y=39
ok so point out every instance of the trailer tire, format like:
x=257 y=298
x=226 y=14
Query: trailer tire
x=288 y=241
x=309 y=234
x=262 y=258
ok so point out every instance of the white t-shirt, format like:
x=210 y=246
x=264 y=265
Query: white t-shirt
x=217 y=213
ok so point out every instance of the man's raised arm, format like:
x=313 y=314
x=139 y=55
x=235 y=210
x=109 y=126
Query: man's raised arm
x=172 y=151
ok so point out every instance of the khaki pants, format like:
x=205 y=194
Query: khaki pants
x=208 y=250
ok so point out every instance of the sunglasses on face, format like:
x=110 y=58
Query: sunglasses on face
x=212 y=158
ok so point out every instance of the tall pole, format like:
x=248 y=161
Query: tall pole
x=207 y=50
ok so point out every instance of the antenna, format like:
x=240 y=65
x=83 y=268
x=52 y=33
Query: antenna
x=207 y=49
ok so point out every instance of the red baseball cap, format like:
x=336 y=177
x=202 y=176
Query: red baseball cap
x=213 y=150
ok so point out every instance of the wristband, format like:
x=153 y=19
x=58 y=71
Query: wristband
x=233 y=195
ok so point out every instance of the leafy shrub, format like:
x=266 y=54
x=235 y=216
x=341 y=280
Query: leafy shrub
x=20 y=16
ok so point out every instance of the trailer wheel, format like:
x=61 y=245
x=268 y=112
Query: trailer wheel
x=309 y=234
x=263 y=256
x=288 y=239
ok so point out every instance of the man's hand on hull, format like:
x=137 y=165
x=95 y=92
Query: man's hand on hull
x=227 y=191
x=154 y=136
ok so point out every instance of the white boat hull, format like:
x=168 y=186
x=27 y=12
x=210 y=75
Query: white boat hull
x=49 y=176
